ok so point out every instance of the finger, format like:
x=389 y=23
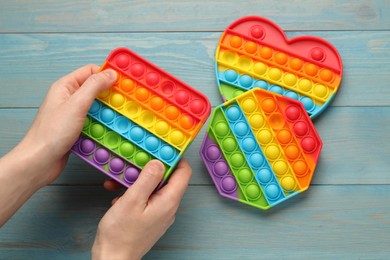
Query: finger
x=146 y=183
x=95 y=84
x=112 y=185
x=178 y=182
x=82 y=74
x=75 y=79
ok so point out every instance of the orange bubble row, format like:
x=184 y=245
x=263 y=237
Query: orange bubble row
x=156 y=103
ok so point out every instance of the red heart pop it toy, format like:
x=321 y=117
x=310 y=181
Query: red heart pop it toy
x=255 y=52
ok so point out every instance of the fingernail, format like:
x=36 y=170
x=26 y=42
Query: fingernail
x=157 y=165
x=110 y=73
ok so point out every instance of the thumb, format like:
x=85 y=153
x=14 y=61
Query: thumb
x=146 y=183
x=94 y=84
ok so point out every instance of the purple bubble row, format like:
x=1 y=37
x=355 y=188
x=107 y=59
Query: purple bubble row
x=98 y=156
x=218 y=169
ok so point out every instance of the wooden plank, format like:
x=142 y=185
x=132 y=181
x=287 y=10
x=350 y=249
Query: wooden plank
x=327 y=222
x=345 y=212
x=354 y=150
x=124 y=16
x=29 y=63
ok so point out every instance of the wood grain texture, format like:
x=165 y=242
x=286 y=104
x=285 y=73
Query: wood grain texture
x=344 y=215
x=327 y=222
x=130 y=16
x=29 y=63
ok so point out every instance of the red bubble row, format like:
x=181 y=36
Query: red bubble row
x=303 y=129
x=145 y=73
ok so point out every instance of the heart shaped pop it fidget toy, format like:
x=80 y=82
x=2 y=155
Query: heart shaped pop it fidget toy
x=147 y=114
x=255 y=52
x=261 y=148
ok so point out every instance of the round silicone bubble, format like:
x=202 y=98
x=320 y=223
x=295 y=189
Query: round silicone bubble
x=87 y=146
x=167 y=153
x=116 y=165
x=101 y=156
x=213 y=153
x=131 y=175
x=228 y=184
x=122 y=60
x=220 y=168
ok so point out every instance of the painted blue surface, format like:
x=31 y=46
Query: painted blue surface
x=344 y=215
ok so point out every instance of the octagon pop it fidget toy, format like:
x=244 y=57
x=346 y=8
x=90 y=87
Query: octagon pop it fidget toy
x=261 y=148
x=147 y=114
x=254 y=52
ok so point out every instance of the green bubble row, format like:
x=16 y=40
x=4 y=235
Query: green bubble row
x=115 y=142
x=248 y=187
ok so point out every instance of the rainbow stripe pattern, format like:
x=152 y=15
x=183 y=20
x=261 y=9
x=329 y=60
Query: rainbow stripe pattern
x=147 y=114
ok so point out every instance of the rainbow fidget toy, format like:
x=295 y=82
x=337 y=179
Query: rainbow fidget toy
x=261 y=148
x=147 y=114
x=254 y=52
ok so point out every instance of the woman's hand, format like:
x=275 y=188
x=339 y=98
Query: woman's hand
x=42 y=154
x=140 y=217
x=62 y=114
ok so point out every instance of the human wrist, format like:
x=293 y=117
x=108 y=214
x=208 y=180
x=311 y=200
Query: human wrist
x=102 y=252
x=19 y=180
x=23 y=171
x=33 y=162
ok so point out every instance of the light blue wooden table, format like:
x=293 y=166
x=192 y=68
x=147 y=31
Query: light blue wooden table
x=345 y=213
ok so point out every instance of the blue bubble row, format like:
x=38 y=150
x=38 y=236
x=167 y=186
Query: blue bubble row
x=134 y=133
x=254 y=156
x=247 y=82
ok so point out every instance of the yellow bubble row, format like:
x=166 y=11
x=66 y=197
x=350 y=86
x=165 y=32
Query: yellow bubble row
x=270 y=147
x=260 y=70
x=280 y=59
x=145 y=118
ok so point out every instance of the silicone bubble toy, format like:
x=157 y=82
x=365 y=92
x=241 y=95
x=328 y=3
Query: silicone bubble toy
x=261 y=148
x=254 y=52
x=147 y=114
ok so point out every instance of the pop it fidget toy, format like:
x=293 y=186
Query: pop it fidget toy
x=254 y=52
x=147 y=114
x=261 y=148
